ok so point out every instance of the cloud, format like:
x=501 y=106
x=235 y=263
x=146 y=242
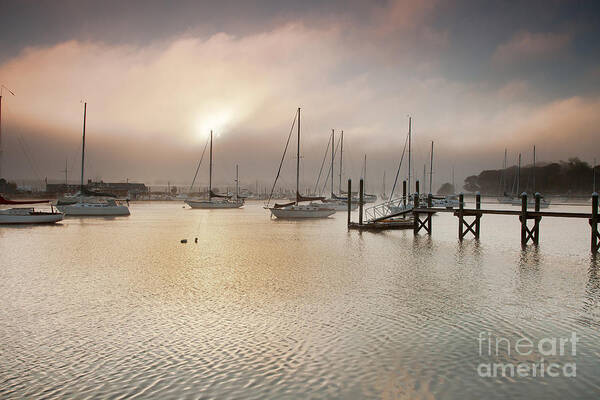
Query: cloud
x=526 y=46
x=151 y=106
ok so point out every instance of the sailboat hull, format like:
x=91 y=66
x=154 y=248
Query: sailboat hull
x=93 y=209
x=302 y=212
x=28 y=216
x=208 y=204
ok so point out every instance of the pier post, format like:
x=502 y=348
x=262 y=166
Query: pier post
x=360 y=201
x=404 y=193
x=416 y=220
x=523 y=219
x=461 y=208
x=349 y=200
x=478 y=216
x=536 y=226
x=429 y=215
x=417 y=187
x=594 y=224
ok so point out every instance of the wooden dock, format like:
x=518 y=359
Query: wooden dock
x=401 y=223
x=469 y=219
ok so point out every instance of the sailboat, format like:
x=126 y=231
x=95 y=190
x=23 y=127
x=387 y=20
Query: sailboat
x=403 y=204
x=215 y=200
x=343 y=195
x=368 y=198
x=448 y=201
x=27 y=215
x=383 y=196
x=505 y=198
x=85 y=205
x=531 y=199
x=295 y=210
x=334 y=201
x=22 y=215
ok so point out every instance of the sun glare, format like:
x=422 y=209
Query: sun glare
x=217 y=121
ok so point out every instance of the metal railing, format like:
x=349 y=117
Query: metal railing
x=387 y=209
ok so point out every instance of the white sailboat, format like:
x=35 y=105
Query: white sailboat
x=215 y=201
x=334 y=201
x=295 y=210
x=27 y=215
x=21 y=215
x=85 y=205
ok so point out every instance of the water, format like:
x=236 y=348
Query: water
x=258 y=308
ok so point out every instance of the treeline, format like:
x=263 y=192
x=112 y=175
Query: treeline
x=563 y=177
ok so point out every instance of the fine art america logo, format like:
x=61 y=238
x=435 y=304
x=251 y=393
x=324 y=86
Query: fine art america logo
x=543 y=357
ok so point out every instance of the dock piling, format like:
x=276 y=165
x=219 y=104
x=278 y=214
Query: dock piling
x=465 y=227
x=461 y=208
x=528 y=234
x=478 y=216
x=349 y=200
x=416 y=221
x=523 y=219
x=360 y=201
x=429 y=215
x=404 y=193
x=594 y=224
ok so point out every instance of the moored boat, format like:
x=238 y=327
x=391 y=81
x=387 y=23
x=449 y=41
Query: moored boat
x=84 y=206
x=215 y=201
x=27 y=215
x=295 y=210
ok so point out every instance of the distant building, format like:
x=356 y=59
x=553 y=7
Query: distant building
x=7 y=187
x=120 y=189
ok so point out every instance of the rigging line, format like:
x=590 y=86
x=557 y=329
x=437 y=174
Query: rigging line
x=29 y=160
x=399 y=166
x=282 y=158
x=337 y=146
x=322 y=164
x=198 y=167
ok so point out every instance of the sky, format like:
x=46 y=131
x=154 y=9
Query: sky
x=476 y=78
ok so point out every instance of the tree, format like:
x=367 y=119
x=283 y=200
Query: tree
x=446 y=189
x=472 y=184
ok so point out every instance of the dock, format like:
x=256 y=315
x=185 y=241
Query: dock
x=419 y=216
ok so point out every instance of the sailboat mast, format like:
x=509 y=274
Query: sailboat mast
x=210 y=165
x=237 y=183
x=83 y=148
x=298 y=161
x=409 y=150
x=332 y=158
x=66 y=171
x=383 y=184
x=431 y=169
x=341 y=155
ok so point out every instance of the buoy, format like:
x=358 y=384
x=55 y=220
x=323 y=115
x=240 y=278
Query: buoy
x=183 y=240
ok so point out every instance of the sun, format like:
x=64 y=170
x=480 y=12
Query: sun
x=217 y=121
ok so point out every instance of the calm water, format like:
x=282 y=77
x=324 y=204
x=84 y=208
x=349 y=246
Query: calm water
x=258 y=308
